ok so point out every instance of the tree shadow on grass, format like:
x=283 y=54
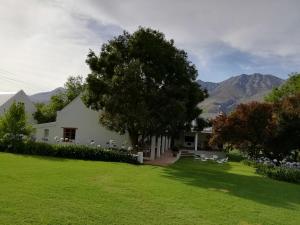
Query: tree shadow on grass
x=217 y=177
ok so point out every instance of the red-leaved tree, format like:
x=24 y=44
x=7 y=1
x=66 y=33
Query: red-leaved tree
x=248 y=128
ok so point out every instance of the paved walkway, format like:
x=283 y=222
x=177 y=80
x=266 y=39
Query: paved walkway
x=165 y=160
x=210 y=154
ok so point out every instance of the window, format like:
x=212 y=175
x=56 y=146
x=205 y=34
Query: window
x=46 y=135
x=69 y=134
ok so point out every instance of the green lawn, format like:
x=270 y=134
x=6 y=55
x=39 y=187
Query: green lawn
x=41 y=190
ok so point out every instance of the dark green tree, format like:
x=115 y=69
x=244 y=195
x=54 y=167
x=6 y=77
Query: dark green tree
x=44 y=113
x=73 y=88
x=143 y=85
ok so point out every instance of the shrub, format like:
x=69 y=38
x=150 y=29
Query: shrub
x=248 y=162
x=235 y=156
x=275 y=172
x=279 y=173
x=70 y=151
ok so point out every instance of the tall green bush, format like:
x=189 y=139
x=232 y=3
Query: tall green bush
x=13 y=125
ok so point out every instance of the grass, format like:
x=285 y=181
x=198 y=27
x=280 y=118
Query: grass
x=42 y=190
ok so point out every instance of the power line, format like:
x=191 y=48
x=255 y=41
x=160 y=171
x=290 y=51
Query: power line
x=5 y=75
x=10 y=73
x=12 y=79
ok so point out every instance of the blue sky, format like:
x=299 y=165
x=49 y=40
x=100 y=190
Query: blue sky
x=44 y=42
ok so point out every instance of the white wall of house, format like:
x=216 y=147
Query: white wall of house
x=20 y=97
x=85 y=121
x=47 y=132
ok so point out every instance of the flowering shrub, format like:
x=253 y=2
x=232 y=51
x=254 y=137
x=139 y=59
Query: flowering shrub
x=283 y=172
x=70 y=151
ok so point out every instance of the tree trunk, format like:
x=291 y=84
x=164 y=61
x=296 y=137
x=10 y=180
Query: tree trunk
x=134 y=137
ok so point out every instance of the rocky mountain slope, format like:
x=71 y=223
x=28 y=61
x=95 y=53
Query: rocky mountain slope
x=224 y=96
x=44 y=97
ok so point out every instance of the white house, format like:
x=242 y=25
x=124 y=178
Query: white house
x=77 y=123
x=6 y=101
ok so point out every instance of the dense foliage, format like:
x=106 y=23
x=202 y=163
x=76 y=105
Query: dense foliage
x=262 y=128
x=143 y=84
x=286 y=136
x=70 y=151
x=47 y=112
x=246 y=128
x=13 y=125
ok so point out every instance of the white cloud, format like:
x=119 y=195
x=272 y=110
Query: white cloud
x=41 y=45
x=43 y=42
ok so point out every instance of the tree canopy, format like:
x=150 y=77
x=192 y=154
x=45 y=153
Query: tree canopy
x=248 y=127
x=289 y=88
x=272 y=129
x=286 y=136
x=143 y=85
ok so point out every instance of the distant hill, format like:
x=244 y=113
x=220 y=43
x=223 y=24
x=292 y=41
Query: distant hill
x=226 y=95
x=44 y=97
x=209 y=86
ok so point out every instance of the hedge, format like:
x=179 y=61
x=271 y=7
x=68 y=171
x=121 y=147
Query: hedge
x=70 y=151
x=276 y=172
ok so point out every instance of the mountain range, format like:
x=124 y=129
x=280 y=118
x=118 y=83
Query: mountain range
x=44 y=97
x=226 y=95
x=223 y=96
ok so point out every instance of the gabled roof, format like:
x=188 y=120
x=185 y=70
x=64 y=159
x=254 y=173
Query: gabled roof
x=4 y=97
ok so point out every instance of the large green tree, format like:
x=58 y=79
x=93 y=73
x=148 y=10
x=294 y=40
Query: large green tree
x=143 y=85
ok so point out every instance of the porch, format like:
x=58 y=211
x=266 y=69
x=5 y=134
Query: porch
x=166 y=159
x=156 y=147
x=194 y=141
